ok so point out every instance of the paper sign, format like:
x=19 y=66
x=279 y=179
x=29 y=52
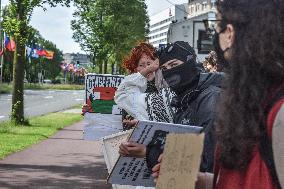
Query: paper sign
x=181 y=161
x=100 y=90
x=110 y=147
x=134 y=171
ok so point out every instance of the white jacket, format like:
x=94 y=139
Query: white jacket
x=131 y=97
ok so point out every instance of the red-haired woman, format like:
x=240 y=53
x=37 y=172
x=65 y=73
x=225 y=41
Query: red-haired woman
x=137 y=94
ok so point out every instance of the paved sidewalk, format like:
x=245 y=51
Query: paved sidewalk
x=63 y=161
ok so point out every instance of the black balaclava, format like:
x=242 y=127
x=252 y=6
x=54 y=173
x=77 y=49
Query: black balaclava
x=183 y=77
x=219 y=52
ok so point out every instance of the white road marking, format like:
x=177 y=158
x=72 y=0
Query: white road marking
x=79 y=99
x=1 y=117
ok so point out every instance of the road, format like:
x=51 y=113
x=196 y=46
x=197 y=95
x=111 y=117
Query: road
x=38 y=102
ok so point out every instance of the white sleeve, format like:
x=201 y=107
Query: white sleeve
x=278 y=144
x=130 y=96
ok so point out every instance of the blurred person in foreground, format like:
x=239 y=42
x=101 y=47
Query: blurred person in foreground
x=249 y=38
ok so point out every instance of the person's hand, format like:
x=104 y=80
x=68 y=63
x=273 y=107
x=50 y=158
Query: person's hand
x=132 y=149
x=204 y=181
x=153 y=67
x=129 y=123
x=156 y=168
x=149 y=70
x=85 y=108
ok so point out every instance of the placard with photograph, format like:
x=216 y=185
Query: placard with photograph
x=134 y=171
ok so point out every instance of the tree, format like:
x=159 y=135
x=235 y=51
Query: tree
x=34 y=65
x=109 y=28
x=52 y=67
x=16 y=24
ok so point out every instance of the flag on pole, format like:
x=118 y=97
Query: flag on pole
x=49 y=55
x=34 y=53
x=10 y=44
x=28 y=51
x=41 y=52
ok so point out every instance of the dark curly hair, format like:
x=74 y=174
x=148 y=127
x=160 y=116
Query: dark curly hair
x=130 y=62
x=256 y=66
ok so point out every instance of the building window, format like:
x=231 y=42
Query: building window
x=204 y=6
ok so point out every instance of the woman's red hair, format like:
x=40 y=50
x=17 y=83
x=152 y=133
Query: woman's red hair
x=130 y=62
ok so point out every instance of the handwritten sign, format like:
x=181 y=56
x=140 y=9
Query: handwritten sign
x=181 y=161
x=110 y=147
x=100 y=91
x=103 y=80
x=134 y=171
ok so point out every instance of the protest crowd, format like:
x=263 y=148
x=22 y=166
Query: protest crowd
x=236 y=97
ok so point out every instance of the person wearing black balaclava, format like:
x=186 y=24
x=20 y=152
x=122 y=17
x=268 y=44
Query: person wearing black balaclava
x=197 y=95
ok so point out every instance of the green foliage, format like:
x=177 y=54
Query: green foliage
x=14 y=138
x=106 y=28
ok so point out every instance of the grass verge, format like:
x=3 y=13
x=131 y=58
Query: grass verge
x=53 y=86
x=5 y=88
x=15 y=138
x=79 y=106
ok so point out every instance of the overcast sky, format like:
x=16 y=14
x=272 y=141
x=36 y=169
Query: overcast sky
x=54 y=24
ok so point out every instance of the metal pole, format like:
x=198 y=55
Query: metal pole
x=193 y=35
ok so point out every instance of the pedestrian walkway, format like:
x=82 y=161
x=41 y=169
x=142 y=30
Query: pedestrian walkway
x=63 y=161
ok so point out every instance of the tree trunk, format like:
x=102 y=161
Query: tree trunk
x=100 y=68
x=113 y=69
x=18 y=69
x=18 y=83
x=105 y=67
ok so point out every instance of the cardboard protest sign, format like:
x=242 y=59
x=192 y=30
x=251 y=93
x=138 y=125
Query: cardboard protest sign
x=100 y=91
x=181 y=161
x=134 y=171
x=110 y=147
